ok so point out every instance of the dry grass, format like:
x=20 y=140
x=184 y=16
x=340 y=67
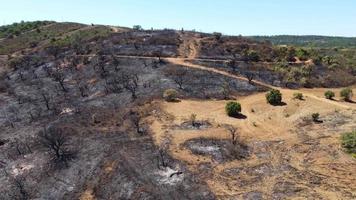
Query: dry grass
x=293 y=153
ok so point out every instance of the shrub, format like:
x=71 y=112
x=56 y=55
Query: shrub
x=193 y=119
x=298 y=96
x=217 y=35
x=137 y=27
x=346 y=94
x=233 y=108
x=302 y=54
x=170 y=95
x=315 y=117
x=329 y=94
x=274 y=97
x=348 y=142
x=253 y=56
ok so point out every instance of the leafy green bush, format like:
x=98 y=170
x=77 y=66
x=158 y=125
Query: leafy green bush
x=253 y=56
x=348 y=142
x=315 y=117
x=298 y=96
x=302 y=54
x=329 y=94
x=274 y=97
x=233 y=109
x=170 y=95
x=346 y=94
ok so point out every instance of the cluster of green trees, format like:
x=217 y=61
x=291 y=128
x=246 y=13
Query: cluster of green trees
x=346 y=94
x=16 y=29
x=78 y=40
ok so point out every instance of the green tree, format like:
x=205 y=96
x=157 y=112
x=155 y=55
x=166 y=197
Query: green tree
x=302 y=54
x=137 y=27
x=346 y=94
x=274 y=97
x=329 y=94
x=298 y=96
x=253 y=56
x=170 y=95
x=348 y=142
x=233 y=109
x=315 y=117
x=217 y=35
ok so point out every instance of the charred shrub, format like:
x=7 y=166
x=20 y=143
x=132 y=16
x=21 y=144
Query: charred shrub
x=56 y=141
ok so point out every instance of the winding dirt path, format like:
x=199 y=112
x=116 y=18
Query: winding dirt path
x=309 y=93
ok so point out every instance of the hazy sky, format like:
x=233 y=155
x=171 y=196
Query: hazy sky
x=246 y=17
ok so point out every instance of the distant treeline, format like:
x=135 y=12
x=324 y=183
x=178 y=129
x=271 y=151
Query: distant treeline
x=310 y=41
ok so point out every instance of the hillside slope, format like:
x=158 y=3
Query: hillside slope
x=82 y=116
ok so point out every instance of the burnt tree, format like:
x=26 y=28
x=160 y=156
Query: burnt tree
x=250 y=76
x=136 y=117
x=58 y=76
x=56 y=142
x=179 y=76
x=130 y=81
x=233 y=132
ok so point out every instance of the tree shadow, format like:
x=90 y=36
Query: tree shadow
x=174 y=101
x=350 y=101
x=240 y=116
x=279 y=104
x=318 y=121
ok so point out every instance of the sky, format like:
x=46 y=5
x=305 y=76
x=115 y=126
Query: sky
x=232 y=17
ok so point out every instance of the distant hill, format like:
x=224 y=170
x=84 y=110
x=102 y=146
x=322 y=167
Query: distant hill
x=310 y=41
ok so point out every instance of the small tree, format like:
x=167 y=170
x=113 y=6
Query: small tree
x=274 y=97
x=170 y=95
x=226 y=90
x=137 y=28
x=315 y=117
x=56 y=141
x=233 y=109
x=217 y=35
x=232 y=64
x=346 y=94
x=329 y=94
x=179 y=75
x=249 y=76
x=130 y=81
x=19 y=188
x=59 y=76
x=233 y=132
x=252 y=56
x=136 y=118
x=193 y=119
x=348 y=142
x=298 y=96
